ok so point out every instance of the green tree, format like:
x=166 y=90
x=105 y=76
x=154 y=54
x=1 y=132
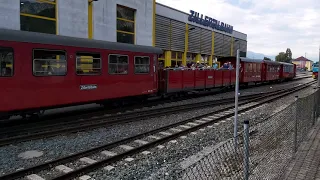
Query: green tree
x=281 y=57
x=288 y=55
x=267 y=59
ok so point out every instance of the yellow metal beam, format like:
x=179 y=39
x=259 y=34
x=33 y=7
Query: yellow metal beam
x=198 y=58
x=56 y=13
x=125 y=32
x=154 y=24
x=39 y=17
x=167 y=58
x=126 y=20
x=212 y=49
x=90 y=19
x=46 y=1
x=186 y=42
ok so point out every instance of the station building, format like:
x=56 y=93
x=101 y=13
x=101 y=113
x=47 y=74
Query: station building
x=183 y=36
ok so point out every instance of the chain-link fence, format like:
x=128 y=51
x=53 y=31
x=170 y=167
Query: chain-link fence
x=272 y=145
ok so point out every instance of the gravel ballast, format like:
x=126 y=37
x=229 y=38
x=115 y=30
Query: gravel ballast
x=166 y=163
x=61 y=146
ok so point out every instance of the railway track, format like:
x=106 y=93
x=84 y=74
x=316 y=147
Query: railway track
x=98 y=111
x=21 y=133
x=111 y=153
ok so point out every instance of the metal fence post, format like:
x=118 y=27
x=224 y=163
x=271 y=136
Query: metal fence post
x=235 y=128
x=295 y=126
x=314 y=106
x=246 y=149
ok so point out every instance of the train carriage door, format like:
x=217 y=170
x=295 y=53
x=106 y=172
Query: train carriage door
x=155 y=72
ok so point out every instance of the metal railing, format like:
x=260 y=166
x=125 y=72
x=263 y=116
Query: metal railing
x=264 y=151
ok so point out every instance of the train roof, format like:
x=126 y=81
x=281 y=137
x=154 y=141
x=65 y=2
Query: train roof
x=290 y=64
x=42 y=38
x=271 y=62
x=251 y=60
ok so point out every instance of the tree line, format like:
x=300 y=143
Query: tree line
x=282 y=56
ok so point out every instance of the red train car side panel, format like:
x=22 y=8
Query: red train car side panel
x=218 y=79
x=200 y=79
x=31 y=89
x=233 y=77
x=226 y=74
x=174 y=80
x=188 y=79
x=210 y=78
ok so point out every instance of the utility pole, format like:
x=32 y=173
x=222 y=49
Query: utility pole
x=318 y=69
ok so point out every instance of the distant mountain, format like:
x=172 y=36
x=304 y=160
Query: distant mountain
x=254 y=55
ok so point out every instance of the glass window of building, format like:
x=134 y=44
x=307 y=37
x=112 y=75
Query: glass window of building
x=176 y=59
x=125 y=25
x=38 y=16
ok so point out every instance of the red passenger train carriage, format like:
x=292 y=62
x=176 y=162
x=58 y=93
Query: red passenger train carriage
x=250 y=69
x=174 y=80
x=40 y=71
x=287 y=71
x=272 y=70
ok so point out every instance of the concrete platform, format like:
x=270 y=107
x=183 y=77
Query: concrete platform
x=306 y=164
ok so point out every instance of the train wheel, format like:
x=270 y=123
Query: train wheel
x=5 y=117
x=41 y=113
x=23 y=115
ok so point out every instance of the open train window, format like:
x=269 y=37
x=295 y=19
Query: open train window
x=88 y=64
x=254 y=69
x=141 y=65
x=6 y=62
x=49 y=62
x=118 y=64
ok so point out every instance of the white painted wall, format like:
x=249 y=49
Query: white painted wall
x=73 y=18
x=105 y=20
x=10 y=14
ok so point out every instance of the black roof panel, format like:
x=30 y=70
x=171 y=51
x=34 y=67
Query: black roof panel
x=42 y=38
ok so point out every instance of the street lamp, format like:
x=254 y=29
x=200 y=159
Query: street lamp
x=235 y=130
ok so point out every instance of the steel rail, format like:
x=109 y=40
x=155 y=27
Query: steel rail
x=91 y=167
x=85 y=124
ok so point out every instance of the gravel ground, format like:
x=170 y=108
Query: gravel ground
x=165 y=163
x=60 y=146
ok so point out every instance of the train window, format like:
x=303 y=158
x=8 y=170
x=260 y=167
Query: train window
x=141 y=65
x=6 y=62
x=49 y=63
x=250 y=67
x=254 y=69
x=118 y=64
x=88 y=64
x=258 y=67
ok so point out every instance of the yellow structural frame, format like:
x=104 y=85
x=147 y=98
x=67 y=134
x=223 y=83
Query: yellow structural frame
x=212 y=49
x=90 y=19
x=186 y=43
x=176 y=58
x=43 y=17
x=167 y=53
x=128 y=20
x=167 y=58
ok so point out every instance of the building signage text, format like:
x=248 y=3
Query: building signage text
x=209 y=22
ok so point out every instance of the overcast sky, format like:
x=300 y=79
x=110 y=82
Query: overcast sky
x=271 y=25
